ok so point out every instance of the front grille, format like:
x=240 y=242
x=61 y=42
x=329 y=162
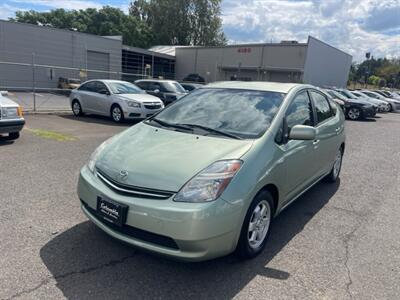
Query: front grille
x=136 y=233
x=152 y=106
x=129 y=190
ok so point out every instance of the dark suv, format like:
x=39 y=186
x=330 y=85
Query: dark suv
x=167 y=90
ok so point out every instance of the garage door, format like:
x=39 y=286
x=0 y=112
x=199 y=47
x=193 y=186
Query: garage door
x=98 y=62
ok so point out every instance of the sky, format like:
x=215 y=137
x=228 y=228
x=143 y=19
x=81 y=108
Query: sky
x=355 y=26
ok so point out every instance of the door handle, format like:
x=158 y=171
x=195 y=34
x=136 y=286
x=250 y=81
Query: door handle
x=315 y=142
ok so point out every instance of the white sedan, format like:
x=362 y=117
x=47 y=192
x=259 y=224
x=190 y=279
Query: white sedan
x=394 y=103
x=11 y=119
x=118 y=99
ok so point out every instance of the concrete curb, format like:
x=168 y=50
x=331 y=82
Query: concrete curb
x=48 y=112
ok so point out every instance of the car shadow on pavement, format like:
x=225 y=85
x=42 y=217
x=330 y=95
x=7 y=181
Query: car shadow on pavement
x=88 y=264
x=98 y=120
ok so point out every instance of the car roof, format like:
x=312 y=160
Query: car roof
x=256 y=85
x=155 y=80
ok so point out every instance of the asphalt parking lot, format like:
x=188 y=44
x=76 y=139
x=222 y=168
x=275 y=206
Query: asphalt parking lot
x=337 y=241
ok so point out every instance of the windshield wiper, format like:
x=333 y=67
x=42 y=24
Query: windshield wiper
x=166 y=124
x=219 y=132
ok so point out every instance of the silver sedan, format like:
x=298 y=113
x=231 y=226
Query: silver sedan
x=118 y=99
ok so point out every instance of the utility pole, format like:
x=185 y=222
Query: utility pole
x=33 y=82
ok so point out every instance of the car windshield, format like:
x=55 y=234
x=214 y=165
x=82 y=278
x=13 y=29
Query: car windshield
x=348 y=94
x=173 y=87
x=124 y=88
x=245 y=114
x=370 y=94
x=335 y=94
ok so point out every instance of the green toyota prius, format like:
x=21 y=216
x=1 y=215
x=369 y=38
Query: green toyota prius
x=207 y=175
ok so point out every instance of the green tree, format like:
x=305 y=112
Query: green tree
x=181 y=22
x=373 y=80
x=105 y=21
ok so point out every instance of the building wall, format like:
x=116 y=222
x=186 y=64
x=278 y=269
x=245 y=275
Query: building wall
x=63 y=52
x=246 y=62
x=326 y=65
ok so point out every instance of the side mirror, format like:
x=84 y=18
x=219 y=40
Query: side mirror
x=156 y=91
x=104 y=92
x=302 y=132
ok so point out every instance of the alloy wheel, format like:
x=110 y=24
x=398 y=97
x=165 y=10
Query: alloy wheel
x=337 y=164
x=259 y=224
x=116 y=114
x=76 y=108
x=354 y=113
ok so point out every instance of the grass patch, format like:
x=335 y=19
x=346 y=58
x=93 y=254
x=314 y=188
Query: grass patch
x=52 y=135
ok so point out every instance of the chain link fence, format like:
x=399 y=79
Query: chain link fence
x=43 y=87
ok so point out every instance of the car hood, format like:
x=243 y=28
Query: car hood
x=357 y=101
x=6 y=102
x=162 y=159
x=139 y=97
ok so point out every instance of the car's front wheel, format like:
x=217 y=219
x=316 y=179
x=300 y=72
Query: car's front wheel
x=256 y=226
x=117 y=114
x=354 y=113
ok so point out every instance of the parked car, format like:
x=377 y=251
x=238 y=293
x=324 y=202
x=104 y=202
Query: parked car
x=354 y=108
x=11 y=118
x=207 y=175
x=118 y=99
x=68 y=83
x=388 y=94
x=190 y=86
x=194 y=78
x=394 y=104
x=383 y=105
x=167 y=90
x=339 y=102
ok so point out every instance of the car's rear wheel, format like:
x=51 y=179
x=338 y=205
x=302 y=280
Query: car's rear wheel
x=256 y=226
x=354 y=113
x=117 y=114
x=390 y=107
x=337 y=167
x=13 y=136
x=77 y=108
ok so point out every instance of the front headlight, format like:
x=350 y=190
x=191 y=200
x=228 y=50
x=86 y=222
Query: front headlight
x=10 y=112
x=209 y=184
x=134 y=104
x=95 y=155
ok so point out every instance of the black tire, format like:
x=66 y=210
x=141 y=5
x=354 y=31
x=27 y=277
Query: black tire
x=244 y=250
x=333 y=176
x=354 y=113
x=13 y=136
x=390 y=107
x=115 y=116
x=77 y=108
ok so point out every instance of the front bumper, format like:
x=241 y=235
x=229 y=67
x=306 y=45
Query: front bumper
x=200 y=231
x=140 y=113
x=11 y=125
x=368 y=112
